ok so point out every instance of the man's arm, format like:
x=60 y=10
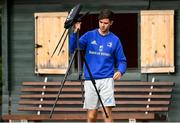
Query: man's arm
x=117 y=75
x=73 y=38
x=121 y=61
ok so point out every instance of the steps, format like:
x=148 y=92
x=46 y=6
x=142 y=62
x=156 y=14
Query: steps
x=134 y=100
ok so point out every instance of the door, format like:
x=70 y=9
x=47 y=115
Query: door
x=49 y=28
x=157 y=41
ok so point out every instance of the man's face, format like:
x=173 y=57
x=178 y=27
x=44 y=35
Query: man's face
x=104 y=25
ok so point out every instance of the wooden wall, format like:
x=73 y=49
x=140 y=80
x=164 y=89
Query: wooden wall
x=18 y=41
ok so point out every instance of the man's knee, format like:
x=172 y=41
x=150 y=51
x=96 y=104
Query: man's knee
x=92 y=118
x=92 y=115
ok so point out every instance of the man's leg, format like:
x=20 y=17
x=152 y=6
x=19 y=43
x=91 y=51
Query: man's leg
x=109 y=112
x=107 y=94
x=92 y=115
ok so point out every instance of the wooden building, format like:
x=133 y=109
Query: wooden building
x=149 y=31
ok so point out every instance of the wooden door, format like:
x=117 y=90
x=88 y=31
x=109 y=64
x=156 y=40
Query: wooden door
x=157 y=41
x=48 y=30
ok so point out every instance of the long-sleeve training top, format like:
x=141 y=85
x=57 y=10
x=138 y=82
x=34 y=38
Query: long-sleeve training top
x=101 y=53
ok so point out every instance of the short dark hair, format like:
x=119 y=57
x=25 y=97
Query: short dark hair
x=106 y=13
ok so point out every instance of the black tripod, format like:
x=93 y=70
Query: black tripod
x=79 y=53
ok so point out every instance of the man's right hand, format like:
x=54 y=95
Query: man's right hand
x=77 y=26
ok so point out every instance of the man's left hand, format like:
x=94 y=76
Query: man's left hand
x=117 y=75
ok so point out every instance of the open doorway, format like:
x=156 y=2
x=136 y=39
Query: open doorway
x=125 y=27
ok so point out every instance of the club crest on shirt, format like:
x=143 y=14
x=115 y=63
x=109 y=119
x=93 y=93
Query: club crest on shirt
x=94 y=42
x=109 y=44
x=101 y=48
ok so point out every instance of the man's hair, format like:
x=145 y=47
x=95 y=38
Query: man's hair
x=106 y=13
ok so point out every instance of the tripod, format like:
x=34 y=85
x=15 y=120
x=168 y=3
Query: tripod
x=78 y=52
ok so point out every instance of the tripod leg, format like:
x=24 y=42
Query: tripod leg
x=59 y=42
x=62 y=83
x=94 y=84
x=80 y=73
x=62 y=43
x=82 y=89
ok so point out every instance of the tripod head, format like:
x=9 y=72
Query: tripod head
x=73 y=16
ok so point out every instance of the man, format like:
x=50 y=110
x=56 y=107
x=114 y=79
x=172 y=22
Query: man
x=102 y=50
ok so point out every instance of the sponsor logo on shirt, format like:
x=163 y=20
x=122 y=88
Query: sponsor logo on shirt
x=99 y=53
x=94 y=42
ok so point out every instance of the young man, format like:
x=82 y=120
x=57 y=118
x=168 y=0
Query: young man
x=102 y=50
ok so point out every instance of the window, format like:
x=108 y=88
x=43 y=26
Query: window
x=125 y=27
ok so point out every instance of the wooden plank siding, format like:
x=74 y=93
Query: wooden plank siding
x=51 y=46
x=18 y=44
x=157 y=41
